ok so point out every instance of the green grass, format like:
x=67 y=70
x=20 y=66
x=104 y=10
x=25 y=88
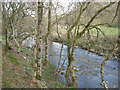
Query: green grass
x=110 y=31
x=13 y=59
x=7 y=84
x=102 y=45
x=17 y=74
x=107 y=31
x=27 y=70
x=48 y=77
x=37 y=86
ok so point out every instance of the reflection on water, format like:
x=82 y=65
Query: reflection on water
x=88 y=67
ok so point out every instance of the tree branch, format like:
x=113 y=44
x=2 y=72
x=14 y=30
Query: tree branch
x=91 y=20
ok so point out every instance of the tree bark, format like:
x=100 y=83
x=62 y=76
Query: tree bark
x=46 y=52
x=48 y=33
x=70 y=78
x=5 y=30
x=38 y=69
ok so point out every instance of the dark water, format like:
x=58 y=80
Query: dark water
x=88 y=67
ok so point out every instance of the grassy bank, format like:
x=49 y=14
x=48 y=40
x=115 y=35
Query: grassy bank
x=101 y=45
x=18 y=71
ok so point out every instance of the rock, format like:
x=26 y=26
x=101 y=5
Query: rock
x=75 y=69
x=24 y=57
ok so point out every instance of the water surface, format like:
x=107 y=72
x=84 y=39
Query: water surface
x=88 y=67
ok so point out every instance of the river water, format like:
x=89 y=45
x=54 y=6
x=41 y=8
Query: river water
x=87 y=67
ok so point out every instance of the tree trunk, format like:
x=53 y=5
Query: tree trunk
x=46 y=52
x=69 y=71
x=72 y=60
x=5 y=30
x=70 y=78
x=48 y=33
x=38 y=69
x=5 y=49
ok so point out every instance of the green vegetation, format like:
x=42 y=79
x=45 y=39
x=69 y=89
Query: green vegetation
x=48 y=76
x=100 y=45
x=7 y=84
x=73 y=26
x=108 y=31
x=13 y=59
x=16 y=68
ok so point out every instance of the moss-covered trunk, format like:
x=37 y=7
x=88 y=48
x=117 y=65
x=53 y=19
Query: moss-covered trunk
x=38 y=70
x=70 y=78
x=46 y=52
x=48 y=33
x=5 y=30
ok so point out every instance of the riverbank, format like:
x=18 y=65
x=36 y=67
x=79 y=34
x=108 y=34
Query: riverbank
x=101 y=45
x=18 y=71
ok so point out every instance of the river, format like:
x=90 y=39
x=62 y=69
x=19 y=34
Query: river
x=87 y=67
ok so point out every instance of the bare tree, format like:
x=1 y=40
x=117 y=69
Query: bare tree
x=48 y=33
x=38 y=65
x=71 y=41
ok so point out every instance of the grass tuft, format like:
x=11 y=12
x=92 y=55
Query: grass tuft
x=13 y=59
x=7 y=84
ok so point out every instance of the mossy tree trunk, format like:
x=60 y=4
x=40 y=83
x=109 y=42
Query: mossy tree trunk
x=69 y=59
x=38 y=69
x=5 y=29
x=48 y=33
x=5 y=49
x=70 y=77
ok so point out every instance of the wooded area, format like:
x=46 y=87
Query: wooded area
x=58 y=44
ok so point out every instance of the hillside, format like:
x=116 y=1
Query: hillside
x=18 y=71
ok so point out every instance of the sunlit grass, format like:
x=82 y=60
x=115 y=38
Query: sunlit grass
x=106 y=30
